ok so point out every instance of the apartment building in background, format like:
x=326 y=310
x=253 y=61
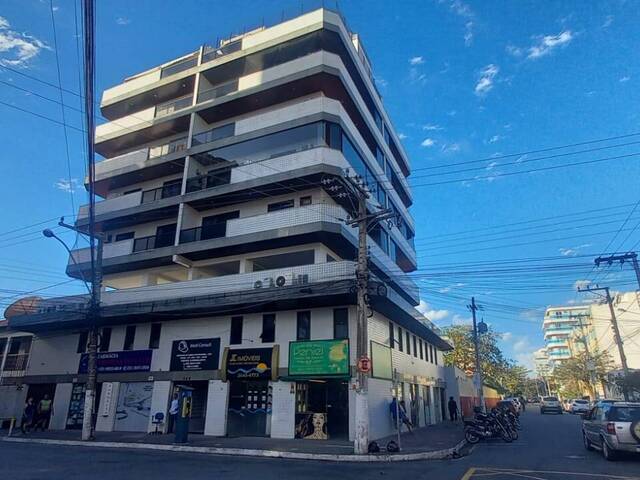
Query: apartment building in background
x=559 y=326
x=229 y=268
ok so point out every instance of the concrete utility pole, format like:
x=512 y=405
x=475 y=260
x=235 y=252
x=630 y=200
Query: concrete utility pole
x=478 y=374
x=590 y=366
x=364 y=221
x=616 y=331
x=633 y=256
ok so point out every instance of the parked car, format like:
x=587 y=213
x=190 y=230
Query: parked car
x=612 y=427
x=550 y=404
x=580 y=406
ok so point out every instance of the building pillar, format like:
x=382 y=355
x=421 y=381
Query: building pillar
x=283 y=409
x=160 y=403
x=107 y=405
x=61 y=400
x=217 y=399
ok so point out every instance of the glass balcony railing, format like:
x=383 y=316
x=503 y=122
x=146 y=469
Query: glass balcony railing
x=167 y=148
x=159 y=193
x=211 y=53
x=218 y=91
x=218 y=133
x=153 y=241
x=173 y=106
x=180 y=66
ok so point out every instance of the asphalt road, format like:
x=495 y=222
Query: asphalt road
x=549 y=448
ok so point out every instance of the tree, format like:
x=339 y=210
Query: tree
x=581 y=372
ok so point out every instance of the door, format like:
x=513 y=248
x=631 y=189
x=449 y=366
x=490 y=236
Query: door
x=337 y=409
x=215 y=226
x=436 y=407
x=165 y=235
x=247 y=410
x=427 y=405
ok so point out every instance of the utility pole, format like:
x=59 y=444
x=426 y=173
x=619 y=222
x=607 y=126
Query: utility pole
x=349 y=186
x=590 y=362
x=478 y=374
x=616 y=331
x=633 y=256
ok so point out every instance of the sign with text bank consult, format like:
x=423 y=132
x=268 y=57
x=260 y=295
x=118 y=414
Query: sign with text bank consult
x=319 y=358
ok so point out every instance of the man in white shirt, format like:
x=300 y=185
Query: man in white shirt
x=173 y=411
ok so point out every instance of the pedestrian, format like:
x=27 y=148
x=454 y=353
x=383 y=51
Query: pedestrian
x=28 y=415
x=173 y=411
x=523 y=402
x=453 y=409
x=43 y=413
x=403 y=416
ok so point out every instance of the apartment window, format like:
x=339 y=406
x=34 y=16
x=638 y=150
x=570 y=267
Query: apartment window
x=408 y=342
x=154 y=338
x=431 y=353
x=304 y=201
x=400 y=342
x=236 y=331
x=129 y=337
x=3 y=346
x=105 y=339
x=435 y=354
x=415 y=346
x=340 y=323
x=274 y=207
x=82 y=342
x=303 y=325
x=124 y=236
x=421 y=349
x=268 y=328
x=392 y=340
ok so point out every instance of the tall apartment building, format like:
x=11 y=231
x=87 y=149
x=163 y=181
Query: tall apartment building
x=228 y=266
x=559 y=326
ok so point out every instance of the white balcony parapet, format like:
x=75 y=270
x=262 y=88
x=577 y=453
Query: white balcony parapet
x=115 y=249
x=130 y=85
x=258 y=281
x=112 y=204
x=128 y=123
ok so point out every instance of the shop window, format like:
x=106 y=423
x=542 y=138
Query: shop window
x=392 y=340
x=82 y=342
x=268 y=328
x=408 y=342
x=340 y=323
x=415 y=346
x=285 y=204
x=421 y=349
x=303 y=325
x=236 y=331
x=154 y=338
x=304 y=201
x=105 y=339
x=129 y=337
x=400 y=342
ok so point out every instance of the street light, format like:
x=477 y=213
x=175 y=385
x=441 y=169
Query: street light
x=47 y=232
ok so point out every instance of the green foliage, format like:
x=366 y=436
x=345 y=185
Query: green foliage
x=580 y=372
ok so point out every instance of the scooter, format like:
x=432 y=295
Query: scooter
x=486 y=426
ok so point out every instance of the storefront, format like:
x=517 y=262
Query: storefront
x=320 y=369
x=248 y=371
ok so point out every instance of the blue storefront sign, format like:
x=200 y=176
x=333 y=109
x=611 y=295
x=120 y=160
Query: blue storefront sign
x=119 y=362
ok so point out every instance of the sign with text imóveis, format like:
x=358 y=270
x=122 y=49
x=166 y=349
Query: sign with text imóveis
x=319 y=358
x=250 y=363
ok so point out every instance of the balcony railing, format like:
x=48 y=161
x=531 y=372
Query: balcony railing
x=159 y=193
x=213 y=179
x=173 y=146
x=218 y=91
x=15 y=362
x=214 y=134
x=173 y=106
x=211 y=53
x=180 y=66
x=153 y=241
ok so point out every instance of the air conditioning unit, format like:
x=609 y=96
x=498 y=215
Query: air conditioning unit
x=286 y=280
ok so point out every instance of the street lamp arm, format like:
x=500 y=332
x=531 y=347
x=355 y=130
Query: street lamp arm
x=49 y=234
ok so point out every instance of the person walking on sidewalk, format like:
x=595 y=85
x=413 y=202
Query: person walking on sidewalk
x=43 y=413
x=453 y=409
x=396 y=408
x=27 y=416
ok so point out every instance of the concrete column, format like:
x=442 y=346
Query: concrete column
x=216 y=419
x=160 y=403
x=283 y=410
x=61 y=400
x=107 y=406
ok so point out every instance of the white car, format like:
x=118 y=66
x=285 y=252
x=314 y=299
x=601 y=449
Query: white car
x=579 y=406
x=550 y=404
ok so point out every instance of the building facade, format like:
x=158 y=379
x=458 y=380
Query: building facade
x=560 y=326
x=229 y=269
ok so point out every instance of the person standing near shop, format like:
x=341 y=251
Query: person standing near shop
x=43 y=412
x=453 y=409
x=173 y=411
x=28 y=415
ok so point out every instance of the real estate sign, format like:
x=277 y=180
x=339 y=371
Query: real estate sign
x=319 y=358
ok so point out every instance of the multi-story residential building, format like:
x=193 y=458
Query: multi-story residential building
x=14 y=358
x=559 y=328
x=228 y=266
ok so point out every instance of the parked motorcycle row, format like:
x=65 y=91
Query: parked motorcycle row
x=501 y=422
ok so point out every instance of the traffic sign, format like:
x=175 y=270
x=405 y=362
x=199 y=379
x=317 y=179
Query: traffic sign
x=364 y=364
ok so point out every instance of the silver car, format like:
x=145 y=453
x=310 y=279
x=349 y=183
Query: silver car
x=550 y=404
x=580 y=406
x=612 y=428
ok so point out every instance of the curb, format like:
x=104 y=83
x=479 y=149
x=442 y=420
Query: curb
x=246 y=452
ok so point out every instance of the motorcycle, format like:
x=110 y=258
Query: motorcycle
x=491 y=425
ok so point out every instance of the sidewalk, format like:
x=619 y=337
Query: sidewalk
x=433 y=442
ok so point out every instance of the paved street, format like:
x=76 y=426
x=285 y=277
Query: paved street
x=549 y=448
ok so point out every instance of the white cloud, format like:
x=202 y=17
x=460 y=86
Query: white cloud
x=402 y=136
x=468 y=33
x=573 y=251
x=381 y=81
x=428 y=142
x=430 y=313
x=416 y=60
x=608 y=21
x=17 y=49
x=432 y=127
x=451 y=287
x=514 y=51
x=492 y=165
x=123 y=21
x=67 y=186
x=451 y=148
x=496 y=138
x=460 y=320
x=486 y=78
x=548 y=43
x=624 y=79
x=452 y=113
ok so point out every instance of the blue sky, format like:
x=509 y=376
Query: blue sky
x=462 y=81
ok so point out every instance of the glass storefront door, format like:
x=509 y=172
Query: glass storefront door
x=247 y=410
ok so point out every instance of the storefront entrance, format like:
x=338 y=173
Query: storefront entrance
x=134 y=407
x=39 y=390
x=199 y=396
x=249 y=402
x=322 y=409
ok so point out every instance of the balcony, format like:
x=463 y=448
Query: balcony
x=212 y=53
x=179 y=66
x=15 y=364
x=173 y=106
